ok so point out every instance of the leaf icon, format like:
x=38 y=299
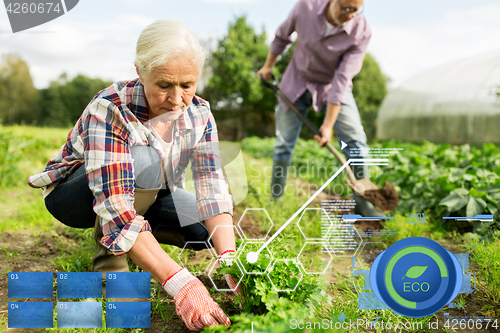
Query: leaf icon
x=415 y=271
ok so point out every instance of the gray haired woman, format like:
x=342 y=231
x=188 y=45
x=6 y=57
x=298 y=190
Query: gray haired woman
x=133 y=137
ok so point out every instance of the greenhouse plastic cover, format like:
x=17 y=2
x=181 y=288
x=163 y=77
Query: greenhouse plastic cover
x=455 y=103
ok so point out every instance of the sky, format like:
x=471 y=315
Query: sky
x=97 y=38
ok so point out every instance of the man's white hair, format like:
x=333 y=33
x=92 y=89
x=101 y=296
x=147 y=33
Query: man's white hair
x=166 y=40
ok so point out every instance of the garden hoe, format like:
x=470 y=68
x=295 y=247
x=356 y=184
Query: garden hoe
x=385 y=199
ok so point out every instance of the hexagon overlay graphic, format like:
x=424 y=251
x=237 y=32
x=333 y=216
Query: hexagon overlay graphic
x=253 y=220
x=315 y=224
x=285 y=283
x=200 y=264
x=265 y=258
x=344 y=240
x=368 y=252
x=315 y=257
x=237 y=234
x=215 y=264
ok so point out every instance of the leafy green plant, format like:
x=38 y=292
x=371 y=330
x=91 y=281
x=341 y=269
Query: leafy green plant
x=262 y=303
x=459 y=180
x=441 y=180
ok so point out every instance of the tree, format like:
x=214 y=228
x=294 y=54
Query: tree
x=18 y=95
x=369 y=90
x=242 y=106
x=62 y=103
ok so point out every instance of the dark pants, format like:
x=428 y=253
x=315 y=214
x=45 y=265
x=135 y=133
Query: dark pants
x=71 y=202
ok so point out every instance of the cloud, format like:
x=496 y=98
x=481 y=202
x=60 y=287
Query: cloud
x=231 y=1
x=95 y=50
x=484 y=14
x=403 y=51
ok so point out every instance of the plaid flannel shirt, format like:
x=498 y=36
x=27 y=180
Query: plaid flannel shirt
x=101 y=139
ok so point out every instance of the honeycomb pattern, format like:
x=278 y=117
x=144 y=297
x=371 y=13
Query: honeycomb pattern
x=237 y=234
x=261 y=266
x=319 y=219
x=196 y=268
x=247 y=222
x=215 y=264
x=318 y=257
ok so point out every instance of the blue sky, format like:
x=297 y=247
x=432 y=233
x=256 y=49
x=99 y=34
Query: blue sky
x=97 y=38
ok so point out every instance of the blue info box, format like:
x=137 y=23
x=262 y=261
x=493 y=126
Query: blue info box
x=79 y=314
x=128 y=314
x=30 y=284
x=79 y=285
x=128 y=285
x=31 y=315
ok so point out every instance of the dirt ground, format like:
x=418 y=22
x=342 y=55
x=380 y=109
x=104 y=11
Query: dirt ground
x=19 y=252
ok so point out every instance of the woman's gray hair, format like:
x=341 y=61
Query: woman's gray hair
x=165 y=40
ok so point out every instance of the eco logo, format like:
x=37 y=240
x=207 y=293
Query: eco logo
x=26 y=14
x=416 y=277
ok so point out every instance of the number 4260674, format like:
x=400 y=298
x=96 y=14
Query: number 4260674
x=24 y=8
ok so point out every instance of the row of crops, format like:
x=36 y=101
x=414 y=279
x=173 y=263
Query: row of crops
x=441 y=179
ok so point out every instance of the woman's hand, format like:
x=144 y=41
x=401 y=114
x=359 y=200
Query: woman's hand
x=226 y=258
x=223 y=238
x=193 y=302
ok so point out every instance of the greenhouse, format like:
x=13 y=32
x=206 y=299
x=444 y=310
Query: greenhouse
x=455 y=103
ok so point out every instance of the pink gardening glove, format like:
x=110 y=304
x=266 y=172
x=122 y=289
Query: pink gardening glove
x=193 y=302
x=231 y=282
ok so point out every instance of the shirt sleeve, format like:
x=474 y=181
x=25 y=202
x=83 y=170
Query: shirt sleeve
x=349 y=66
x=282 y=37
x=212 y=193
x=109 y=168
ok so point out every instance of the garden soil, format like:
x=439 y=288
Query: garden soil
x=20 y=252
x=385 y=198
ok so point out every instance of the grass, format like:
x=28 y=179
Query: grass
x=166 y=311
x=3 y=323
x=432 y=229
x=27 y=149
x=24 y=209
x=487 y=256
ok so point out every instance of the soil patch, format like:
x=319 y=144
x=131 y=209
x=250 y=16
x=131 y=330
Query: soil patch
x=21 y=252
x=171 y=322
x=385 y=198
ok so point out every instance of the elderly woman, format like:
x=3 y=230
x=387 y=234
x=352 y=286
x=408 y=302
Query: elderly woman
x=132 y=137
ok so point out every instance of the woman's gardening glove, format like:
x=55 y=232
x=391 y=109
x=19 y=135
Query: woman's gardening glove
x=225 y=258
x=193 y=302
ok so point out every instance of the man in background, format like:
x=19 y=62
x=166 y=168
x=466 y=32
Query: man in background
x=332 y=37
